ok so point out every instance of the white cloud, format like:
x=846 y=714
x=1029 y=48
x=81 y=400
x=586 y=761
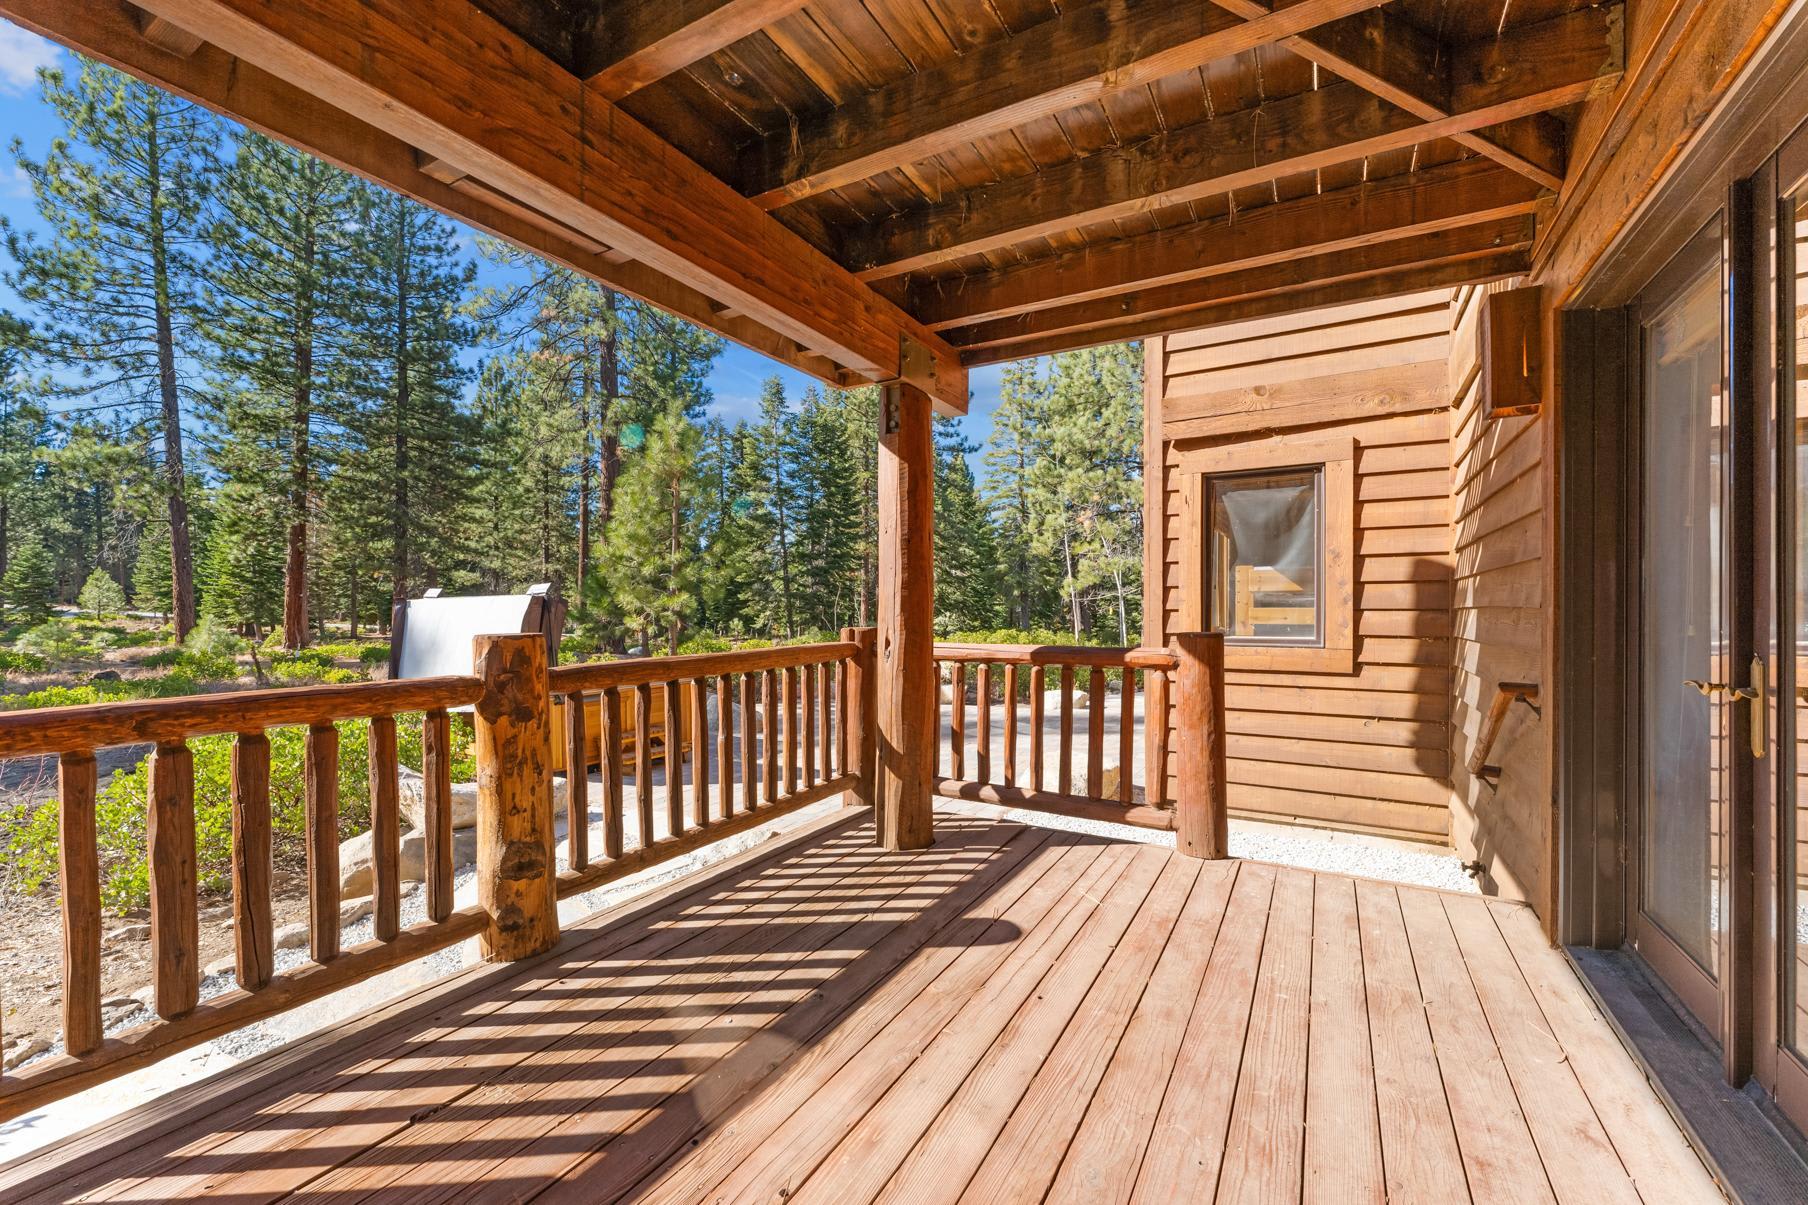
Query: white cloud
x=21 y=54
x=14 y=183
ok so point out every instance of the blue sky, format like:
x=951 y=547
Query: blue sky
x=738 y=375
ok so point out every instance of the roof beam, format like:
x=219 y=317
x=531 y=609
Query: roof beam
x=105 y=30
x=1286 y=276
x=1334 y=124
x=1316 y=295
x=443 y=77
x=1086 y=54
x=1393 y=207
x=1399 y=63
x=639 y=42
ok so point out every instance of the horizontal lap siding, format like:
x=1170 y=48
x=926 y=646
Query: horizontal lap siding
x=1498 y=624
x=1368 y=750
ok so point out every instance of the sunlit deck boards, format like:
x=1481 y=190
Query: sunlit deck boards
x=1015 y=1015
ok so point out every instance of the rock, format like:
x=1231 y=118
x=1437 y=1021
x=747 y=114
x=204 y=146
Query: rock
x=120 y=1002
x=21 y=1047
x=145 y=995
x=354 y=910
x=355 y=875
x=291 y=937
x=464 y=800
x=125 y=933
x=105 y=675
x=1111 y=779
x=220 y=966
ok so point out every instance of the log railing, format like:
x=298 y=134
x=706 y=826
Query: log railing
x=782 y=727
x=1013 y=766
x=803 y=717
x=74 y=734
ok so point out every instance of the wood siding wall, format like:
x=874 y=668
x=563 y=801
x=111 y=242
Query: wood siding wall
x=1368 y=750
x=1497 y=487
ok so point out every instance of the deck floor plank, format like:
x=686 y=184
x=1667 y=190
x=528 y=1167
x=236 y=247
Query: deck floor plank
x=1418 y=1142
x=1186 y=1147
x=1015 y=1015
x=1343 y=1134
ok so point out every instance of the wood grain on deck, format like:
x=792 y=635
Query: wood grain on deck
x=1013 y=1015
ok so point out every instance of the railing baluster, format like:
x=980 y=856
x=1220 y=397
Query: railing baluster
x=436 y=788
x=789 y=718
x=957 y=719
x=611 y=738
x=1126 y=736
x=982 y=726
x=252 y=938
x=843 y=708
x=577 y=784
x=750 y=757
x=175 y=923
x=825 y=690
x=1010 y=725
x=1155 y=723
x=1038 y=687
x=385 y=832
x=674 y=758
x=321 y=785
x=1064 y=771
x=643 y=761
x=1095 y=732
x=724 y=747
x=699 y=697
x=770 y=744
x=807 y=675
x=78 y=868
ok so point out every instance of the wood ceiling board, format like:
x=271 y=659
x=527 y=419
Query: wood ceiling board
x=1085 y=54
x=215 y=79
x=1279 y=275
x=1299 y=133
x=1399 y=282
x=630 y=44
x=443 y=77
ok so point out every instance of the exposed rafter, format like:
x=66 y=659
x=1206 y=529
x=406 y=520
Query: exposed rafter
x=441 y=76
x=1415 y=278
x=1399 y=63
x=1086 y=54
x=1335 y=124
x=1394 y=207
x=638 y=42
x=1074 y=322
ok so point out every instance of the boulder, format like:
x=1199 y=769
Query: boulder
x=1109 y=782
x=354 y=910
x=21 y=1047
x=219 y=966
x=292 y=937
x=412 y=797
x=355 y=875
x=125 y=933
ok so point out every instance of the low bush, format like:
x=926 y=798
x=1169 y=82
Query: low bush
x=14 y=662
x=57 y=641
x=373 y=654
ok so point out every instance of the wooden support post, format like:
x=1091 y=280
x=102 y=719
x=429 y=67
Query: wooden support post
x=385 y=831
x=907 y=707
x=175 y=924
x=436 y=790
x=1201 y=821
x=859 y=684
x=320 y=789
x=516 y=883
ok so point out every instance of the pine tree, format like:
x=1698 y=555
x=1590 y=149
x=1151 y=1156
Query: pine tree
x=101 y=595
x=244 y=564
x=647 y=569
x=966 y=553
x=151 y=569
x=1011 y=448
x=30 y=582
x=769 y=470
x=286 y=299
x=123 y=194
x=24 y=440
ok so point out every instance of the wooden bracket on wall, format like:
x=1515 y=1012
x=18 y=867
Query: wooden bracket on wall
x=1512 y=351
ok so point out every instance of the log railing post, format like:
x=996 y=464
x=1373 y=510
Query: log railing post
x=1201 y=821
x=516 y=879
x=858 y=731
x=907 y=704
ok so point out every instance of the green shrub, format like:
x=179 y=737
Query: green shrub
x=56 y=641
x=373 y=654
x=308 y=668
x=120 y=810
x=139 y=639
x=202 y=667
x=162 y=659
x=12 y=662
x=211 y=638
x=706 y=642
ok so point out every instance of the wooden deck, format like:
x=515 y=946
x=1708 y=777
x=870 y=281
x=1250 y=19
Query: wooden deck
x=1015 y=1015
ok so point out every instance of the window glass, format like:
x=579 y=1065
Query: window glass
x=1266 y=550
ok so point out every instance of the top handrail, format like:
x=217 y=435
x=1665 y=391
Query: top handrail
x=56 y=730
x=1112 y=657
x=645 y=671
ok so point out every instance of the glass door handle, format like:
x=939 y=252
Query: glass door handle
x=1709 y=689
x=1754 y=694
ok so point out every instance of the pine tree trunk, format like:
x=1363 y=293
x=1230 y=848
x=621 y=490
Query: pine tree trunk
x=584 y=488
x=295 y=578
x=399 y=500
x=182 y=566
